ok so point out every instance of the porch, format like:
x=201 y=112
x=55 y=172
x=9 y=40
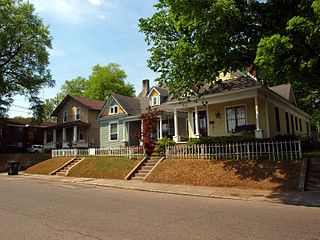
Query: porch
x=222 y=115
x=68 y=135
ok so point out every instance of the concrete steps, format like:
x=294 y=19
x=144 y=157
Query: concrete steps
x=145 y=168
x=65 y=169
x=312 y=182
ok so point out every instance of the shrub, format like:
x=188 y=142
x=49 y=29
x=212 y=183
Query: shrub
x=162 y=143
x=221 y=140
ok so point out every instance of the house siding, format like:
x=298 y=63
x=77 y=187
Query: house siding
x=283 y=125
x=105 y=134
x=218 y=128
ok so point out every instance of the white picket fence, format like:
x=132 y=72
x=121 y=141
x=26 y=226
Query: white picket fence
x=112 y=152
x=282 y=150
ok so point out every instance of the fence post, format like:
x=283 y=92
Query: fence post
x=300 y=151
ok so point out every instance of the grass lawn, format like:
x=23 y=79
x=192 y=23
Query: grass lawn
x=104 y=167
x=241 y=174
x=26 y=159
x=48 y=166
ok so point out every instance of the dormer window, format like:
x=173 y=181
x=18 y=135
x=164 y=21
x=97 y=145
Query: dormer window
x=155 y=100
x=113 y=110
x=65 y=116
x=78 y=113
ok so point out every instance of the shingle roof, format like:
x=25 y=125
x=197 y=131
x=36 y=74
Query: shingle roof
x=162 y=91
x=283 y=90
x=91 y=104
x=24 y=122
x=130 y=104
x=232 y=85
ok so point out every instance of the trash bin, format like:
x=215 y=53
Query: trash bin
x=14 y=168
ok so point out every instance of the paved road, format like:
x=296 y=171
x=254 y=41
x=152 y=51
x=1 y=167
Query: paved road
x=31 y=209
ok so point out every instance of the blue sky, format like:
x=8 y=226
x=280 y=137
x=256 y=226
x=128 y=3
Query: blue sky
x=89 y=32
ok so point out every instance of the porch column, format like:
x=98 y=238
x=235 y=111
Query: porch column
x=267 y=116
x=124 y=131
x=54 y=135
x=258 y=131
x=160 y=127
x=196 y=120
x=75 y=133
x=175 y=137
x=64 y=135
x=45 y=136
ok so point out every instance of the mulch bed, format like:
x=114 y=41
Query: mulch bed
x=245 y=174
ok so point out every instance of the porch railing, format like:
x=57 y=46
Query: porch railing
x=282 y=150
x=112 y=152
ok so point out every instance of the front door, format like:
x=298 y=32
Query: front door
x=203 y=126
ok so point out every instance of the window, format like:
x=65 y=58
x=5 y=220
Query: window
x=155 y=101
x=236 y=116
x=296 y=122
x=300 y=124
x=292 y=124
x=113 y=131
x=65 y=116
x=81 y=133
x=78 y=113
x=113 y=110
x=307 y=125
x=277 y=119
x=287 y=123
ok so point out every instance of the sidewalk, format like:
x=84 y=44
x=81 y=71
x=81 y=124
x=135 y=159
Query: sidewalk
x=294 y=198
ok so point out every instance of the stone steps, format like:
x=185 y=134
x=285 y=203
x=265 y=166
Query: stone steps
x=64 y=170
x=312 y=182
x=145 y=168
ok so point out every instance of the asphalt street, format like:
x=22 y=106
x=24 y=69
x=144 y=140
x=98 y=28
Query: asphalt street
x=32 y=209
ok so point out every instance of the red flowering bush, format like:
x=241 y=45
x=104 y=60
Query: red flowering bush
x=149 y=130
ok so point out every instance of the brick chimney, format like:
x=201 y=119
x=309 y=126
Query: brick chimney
x=145 y=87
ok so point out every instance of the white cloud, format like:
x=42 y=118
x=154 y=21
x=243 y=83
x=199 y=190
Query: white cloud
x=95 y=2
x=72 y=11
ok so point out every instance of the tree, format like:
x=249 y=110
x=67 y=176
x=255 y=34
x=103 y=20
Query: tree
x=24 y=44
x=105 y=80
x=192 y=42
x=75 y=86
x=294 y=56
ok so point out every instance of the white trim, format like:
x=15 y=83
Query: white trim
x=208 y=121
x=79 y=114
x=114 y=140
x=113 y=107
x=226 y=118
x=150 y=91
x=124 y=131
x=151 y=101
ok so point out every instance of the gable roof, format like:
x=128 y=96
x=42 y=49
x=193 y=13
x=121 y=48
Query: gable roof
x=91 y=104
x=285 y=91
x=130 y=104
x=162 y=91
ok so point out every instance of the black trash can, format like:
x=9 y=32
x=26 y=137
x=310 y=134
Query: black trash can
x=14 y=168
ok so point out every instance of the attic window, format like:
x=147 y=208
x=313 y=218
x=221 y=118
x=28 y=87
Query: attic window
x=113 y=110
x=155 y=101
